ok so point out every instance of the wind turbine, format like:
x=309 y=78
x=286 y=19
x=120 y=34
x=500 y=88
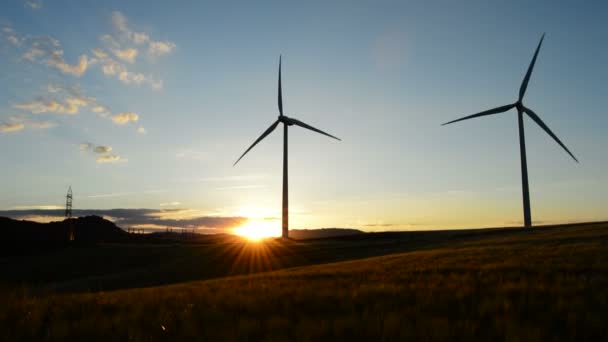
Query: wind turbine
x=286 y=121
x=522 y=142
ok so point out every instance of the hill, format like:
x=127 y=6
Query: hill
x=540 y=284
x=306 y=234
x=21 y=236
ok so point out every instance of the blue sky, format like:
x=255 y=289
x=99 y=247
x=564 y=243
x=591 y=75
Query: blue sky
x=179 y=91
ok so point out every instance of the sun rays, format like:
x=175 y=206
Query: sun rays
x=258 y=229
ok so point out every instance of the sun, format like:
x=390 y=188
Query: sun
x=258 y=229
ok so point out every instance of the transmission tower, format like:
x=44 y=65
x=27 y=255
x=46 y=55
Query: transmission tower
x=68 y=212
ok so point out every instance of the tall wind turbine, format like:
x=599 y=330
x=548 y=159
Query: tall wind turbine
x=286 y=121
x=522 y=142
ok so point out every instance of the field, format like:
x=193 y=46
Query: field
x=509 y=284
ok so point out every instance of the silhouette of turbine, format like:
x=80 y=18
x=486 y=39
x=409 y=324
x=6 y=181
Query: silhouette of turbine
x=522 y=143
x=286 y=121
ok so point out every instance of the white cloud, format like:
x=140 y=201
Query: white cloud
x=40 y=124
x=56 y=60
x=100 y=109
x=86 y=146
x=102 y=149
x=48 y=50
x=34 y=4
x=11 y=127
x=32 y=54
x=70 y=105
x=102 y=153
x=111 y=67
x=120 y=24
x=158 y=48
x=111 y=158
x=124 y=118
x=13 y=40
x=127 y=55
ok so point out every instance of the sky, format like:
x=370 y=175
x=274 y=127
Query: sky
x=144 y=106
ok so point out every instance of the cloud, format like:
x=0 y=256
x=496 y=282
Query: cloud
x=13 y=40
x=110 y=158
x=56 y=60
x=141 y=130
x=155 y=47
x=102 y=152
x=33 y=4
x=102 y=149
x=124 y=118
x=158 y=48
x=40 y=124
x=156 y=218
x=20 y=123
x=32 y=54
x=111 y=67
x=11 y=127
x=86 y=146
x=70 y=105
x=47 y=49
x=120 y=24
x=103 y=111
x=127 y=55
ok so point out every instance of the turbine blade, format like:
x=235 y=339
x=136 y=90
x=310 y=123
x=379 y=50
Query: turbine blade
x=280 y=90
x=540 y=122
x=524 y=83
x=301 y=124
x=496 y=110
x=268 y=131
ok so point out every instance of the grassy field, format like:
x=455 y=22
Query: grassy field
x=544 y=284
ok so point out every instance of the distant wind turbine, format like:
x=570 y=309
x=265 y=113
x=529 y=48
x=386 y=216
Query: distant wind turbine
x=522 y=143
x=286 y=121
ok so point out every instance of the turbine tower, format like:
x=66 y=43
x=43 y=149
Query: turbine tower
x=286 y=121
x=68 y=212
x=522 y=141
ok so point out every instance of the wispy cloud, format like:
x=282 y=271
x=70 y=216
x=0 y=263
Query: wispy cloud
x=120 y=24
x=112 y=67
x=47 y=50
x=37 y=207
x=156 y=48
x=160 y=48
x=11 y=127
x=127 y=55
x=110 y=158
x=15 y=124
x=102 y=152
x=33 y=4
x=125 y=46
x=102 y=149
x=70 y=105
x=125 y=118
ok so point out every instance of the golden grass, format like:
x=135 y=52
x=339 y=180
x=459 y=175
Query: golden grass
x=548 y=284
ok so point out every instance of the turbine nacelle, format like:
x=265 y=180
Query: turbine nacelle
x=286 y=120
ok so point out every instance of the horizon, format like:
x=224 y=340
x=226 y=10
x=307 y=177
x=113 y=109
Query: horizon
x=144 y=109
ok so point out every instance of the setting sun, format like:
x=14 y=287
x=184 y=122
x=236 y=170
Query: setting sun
x=256 y=230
